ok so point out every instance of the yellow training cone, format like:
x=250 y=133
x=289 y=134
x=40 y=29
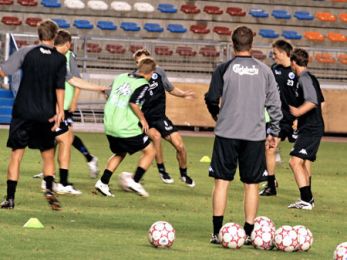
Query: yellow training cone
x=205 y=159
x=33 y=223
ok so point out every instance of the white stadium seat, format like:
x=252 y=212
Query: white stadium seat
x=97 y=5
x=144 y=7
x=120 y=6
x=74 y=4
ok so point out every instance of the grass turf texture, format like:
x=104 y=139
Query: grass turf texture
x=95 y=227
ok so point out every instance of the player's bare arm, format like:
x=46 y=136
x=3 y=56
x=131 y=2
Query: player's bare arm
x=303 y=109
x=187 y=94
x=137 y=110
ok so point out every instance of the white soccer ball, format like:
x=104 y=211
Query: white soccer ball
x=232 y=235
x=341 y=252
x=263 y=236
x=124 y=179
x=305 y=238
x=286 y=239
x=263 y=221
x=161 y=234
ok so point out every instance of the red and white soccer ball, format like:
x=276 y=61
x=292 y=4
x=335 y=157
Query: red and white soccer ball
x=161 y=234
x=341 y=252
x=124 y=179
x=232 y=235
x=305 y=238
x=263 y=221
x=286 y=239
x=262 y=237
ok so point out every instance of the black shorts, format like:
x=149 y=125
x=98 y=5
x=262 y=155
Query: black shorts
x=306 y=147
x=35 y=135
x=227 y=153
x=65 y=124
x=128 y=145
x=68 y=117
x=286 y=132
x=163 y=125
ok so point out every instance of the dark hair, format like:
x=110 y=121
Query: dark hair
x=146 y=65
x=47 y=30
x=242 y=38
x=141 y=52
x=300 y=56
x=62 y=37
x=284 y=46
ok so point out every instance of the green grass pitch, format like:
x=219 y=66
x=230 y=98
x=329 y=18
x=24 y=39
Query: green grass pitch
x=95 y=227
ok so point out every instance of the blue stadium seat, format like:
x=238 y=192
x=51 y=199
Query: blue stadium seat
x=258 y=13
x=106 y=25
x=291 y=35
x=130 y=26
x=83 y=24
x=281 y=14
x=62 y=23
x=51 y=3
x=167 y=8
x=176 y=28
x=268 y=33
x=303 y=15
x=153 y=27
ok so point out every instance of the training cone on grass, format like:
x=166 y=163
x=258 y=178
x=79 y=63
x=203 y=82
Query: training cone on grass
x=33 y=223
x=205 y=159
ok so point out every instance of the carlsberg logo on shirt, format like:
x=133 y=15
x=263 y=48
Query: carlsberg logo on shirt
x=244 y=70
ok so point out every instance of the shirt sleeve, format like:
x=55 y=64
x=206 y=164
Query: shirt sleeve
x=138 y=96
x=309 y=90
x=61 y=74
x=15 y=61
x=166 y=83
x=72 y=69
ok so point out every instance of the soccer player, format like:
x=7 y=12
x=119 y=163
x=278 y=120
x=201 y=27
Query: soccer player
x=38 y=108
x=245 y=86
x=310 y=127
x=160 y=126
x=126 y=126
x=286 y=81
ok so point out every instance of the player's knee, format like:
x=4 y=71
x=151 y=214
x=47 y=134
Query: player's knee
x=180 y=148
x=294 y=163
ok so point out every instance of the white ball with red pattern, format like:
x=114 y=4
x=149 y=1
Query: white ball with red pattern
x=286 y=239
x=263 y=221
x=161 y=234
x=262 y=237
x=232 y=235
x=305 y=238
x=124 y=180
x=341 y=252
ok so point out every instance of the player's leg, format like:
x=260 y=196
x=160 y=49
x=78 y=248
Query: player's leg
x=250 y=204
x=308 y=166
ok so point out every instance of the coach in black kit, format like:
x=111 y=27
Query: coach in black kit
x=245 y=86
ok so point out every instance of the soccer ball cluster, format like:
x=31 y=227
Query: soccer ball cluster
x=263 y=233
x=161 y=234
x=341 y=251
x=232 y=235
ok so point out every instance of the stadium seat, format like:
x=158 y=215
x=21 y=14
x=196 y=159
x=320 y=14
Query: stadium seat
x=11 y=20
x=144 y=7
x=28 y=2
x=21 y=43
x=258 y=54
x=199 y=28
x=62 y=23
x=115 y=49
x=281 y=14
x=314 y=36
x=121 y=6
x=153 y=27
x=33 y=21
x=258 y=13
x=342 y=58
x=343 y=17
x=325 y=17
x=176 y=28
x=236 y=11
x=83 y=24
x=51 y=3
x=268 y=33
x=74 y=4
x=336 y=37
x=214 y=10
x=303 y=15
x=93 y=48
x=185 y=51
x=134 y=48
x=291 y=35
x=190 y=9
x=130 y=26
x=6 y=2
x=339 y=1
x=167 y=8
x=163 y=51
x=106 y=25
x=97 y=5
x=221 y=30
x=209 y=51
x=326 y=58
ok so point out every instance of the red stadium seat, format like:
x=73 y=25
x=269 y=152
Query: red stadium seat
x=209 y=51
x=163 y=51
x=11 y=20
x=235 y=11
x=27 y=2
x=134 y=48
x=325 y=58
x=258 y=54
x=325 y=17
x=93 y=48
x=6 y=2
x=190 y=9
x=21 y=43
x=221 y=30
x=211 y=9
x=33 y=21
x=199 y=28
x=343 y=17
x=342 y=58
x=314 y=36
x=185 y=51
x=115 y=48
x=336 y=37
x=339 y=1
